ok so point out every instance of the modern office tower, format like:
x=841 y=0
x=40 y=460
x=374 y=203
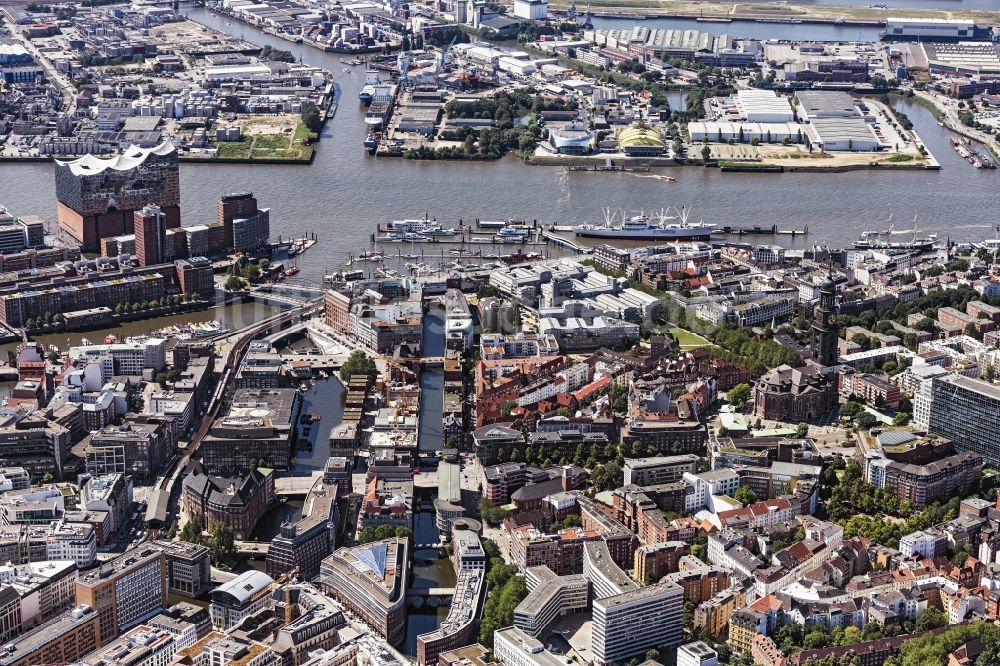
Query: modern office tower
x=195 y=277
x=371 y=581
x=245 y=595
x=549 y=597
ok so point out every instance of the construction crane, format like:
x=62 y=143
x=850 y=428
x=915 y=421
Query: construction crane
x=404 y=68
x=444 y=56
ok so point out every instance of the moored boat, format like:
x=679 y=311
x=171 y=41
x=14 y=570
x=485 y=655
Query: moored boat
x=644 y=227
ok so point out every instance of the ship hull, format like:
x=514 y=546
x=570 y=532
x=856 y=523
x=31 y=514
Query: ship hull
x=647 y=234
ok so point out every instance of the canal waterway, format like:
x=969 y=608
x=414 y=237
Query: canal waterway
x=430 y=430
x=431 y=568
x=232 y=315
x=345 y=193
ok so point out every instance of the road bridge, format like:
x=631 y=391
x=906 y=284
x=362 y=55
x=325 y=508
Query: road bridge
x=251 y=549
x=285 y=486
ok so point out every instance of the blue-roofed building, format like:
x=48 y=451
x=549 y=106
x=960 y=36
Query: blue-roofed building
x=371 y=581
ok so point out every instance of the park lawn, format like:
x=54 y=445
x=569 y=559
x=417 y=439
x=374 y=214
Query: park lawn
x=689 y=340
x=235 y=149
x=303 y=135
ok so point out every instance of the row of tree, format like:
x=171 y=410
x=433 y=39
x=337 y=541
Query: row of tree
x=49 y=318
x=507 y=589
x=382 y=532
x=794 y=637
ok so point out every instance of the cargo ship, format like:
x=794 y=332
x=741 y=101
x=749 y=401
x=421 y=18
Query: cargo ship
x=380 y=109
x=664 y=227
x=368 y=90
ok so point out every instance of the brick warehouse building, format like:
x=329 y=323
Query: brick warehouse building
x=97 y=198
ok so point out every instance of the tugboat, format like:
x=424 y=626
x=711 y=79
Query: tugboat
x=371 y=142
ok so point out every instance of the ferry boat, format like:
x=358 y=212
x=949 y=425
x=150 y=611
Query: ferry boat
x=643 y=227
x=417 y=226
x=509 y=234
x=207 y=328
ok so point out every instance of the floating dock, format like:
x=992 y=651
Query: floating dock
x=728 y=230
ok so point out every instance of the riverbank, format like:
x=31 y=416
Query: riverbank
x=118 y=318
x=346 y=192
x=771 y=12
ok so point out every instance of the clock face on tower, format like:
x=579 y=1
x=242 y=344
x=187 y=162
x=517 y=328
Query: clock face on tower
x=832 y=319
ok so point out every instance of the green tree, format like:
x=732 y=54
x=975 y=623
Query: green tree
x=865 y=421
x=269 y=53
x=739 y=394
x=357 y=363
x=491 y=513
x=192 y=530
x=745 y=495
x=234 y=283
x=706 y=153
x=498 y=611
x=221 y=542
x=312 y=119
x=931 y=618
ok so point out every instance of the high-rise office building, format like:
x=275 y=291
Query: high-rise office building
x=126 y=590
x=628 y=624
x=371 y=581
x=966 y=411
x=150 y=235
x=96 y=198
x=246 y=226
